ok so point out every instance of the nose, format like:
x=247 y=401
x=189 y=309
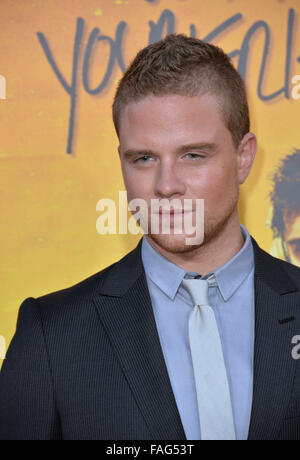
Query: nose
x=169 y=183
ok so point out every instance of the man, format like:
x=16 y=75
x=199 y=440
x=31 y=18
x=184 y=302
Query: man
x=285 y=198
x=175 y=341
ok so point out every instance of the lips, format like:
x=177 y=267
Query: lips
x=173 y=211
x=172 y=214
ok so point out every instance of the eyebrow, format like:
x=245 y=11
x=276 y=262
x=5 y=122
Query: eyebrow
x=207 y=146
x=294 y=241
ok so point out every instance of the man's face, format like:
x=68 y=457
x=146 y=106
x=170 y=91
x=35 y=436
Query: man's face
x=292 y=237
x=178 y=147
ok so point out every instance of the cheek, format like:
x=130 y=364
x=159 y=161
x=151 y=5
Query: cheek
x=215 y=183
x=137 y=185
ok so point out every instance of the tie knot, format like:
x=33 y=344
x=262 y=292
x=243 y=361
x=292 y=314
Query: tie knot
x=198 y=290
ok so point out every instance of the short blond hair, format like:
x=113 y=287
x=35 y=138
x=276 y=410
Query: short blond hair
x=186 y=66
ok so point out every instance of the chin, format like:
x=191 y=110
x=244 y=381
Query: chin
x=178 y=244
x=173 y=243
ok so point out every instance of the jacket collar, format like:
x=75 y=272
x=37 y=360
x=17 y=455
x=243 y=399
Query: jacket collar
x=122 y=275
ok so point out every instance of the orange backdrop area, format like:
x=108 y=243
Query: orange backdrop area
x=48 y=196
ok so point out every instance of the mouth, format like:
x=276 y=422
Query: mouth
x=173 y=212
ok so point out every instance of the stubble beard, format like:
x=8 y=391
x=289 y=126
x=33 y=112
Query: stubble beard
x=213 y=229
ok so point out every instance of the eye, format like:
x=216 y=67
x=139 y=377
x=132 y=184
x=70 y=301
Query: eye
x=295 y=245
x=194 y=156
x=143 y=159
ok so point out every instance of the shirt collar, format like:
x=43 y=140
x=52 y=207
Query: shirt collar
x=232 y=274
x=167 y=276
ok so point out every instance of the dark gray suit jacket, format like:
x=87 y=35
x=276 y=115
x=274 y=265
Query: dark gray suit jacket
x=86 y=362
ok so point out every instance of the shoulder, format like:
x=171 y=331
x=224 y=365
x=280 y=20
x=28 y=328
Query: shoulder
x=273 y=267
x=292 y=270
x=76 y=298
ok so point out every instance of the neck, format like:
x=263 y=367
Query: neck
x=211 y=255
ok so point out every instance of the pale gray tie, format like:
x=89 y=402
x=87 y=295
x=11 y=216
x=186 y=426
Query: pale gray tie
x=213 y=395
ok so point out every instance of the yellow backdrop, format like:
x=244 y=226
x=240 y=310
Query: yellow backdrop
x=61 y=61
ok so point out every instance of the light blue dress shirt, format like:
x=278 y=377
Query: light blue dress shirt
x=233 y=304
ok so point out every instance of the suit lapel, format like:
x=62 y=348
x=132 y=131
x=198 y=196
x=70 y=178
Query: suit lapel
x=277 y=302
x=125 y=309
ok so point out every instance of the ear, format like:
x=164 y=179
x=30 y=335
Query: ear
x=119 y=151
x=246 y=154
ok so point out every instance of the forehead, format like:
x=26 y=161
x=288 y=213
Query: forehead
x=171 y=116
